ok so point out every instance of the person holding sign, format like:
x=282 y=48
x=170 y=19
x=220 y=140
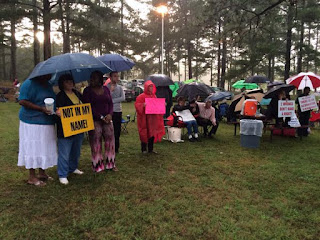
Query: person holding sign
x=37 y=138
x=150 y=126
x=303 y=116
x=69 y=148
x=102 y=109
x=118 y=96
x=192 y=124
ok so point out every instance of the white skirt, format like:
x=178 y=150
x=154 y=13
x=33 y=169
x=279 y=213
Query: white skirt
x=37 y=146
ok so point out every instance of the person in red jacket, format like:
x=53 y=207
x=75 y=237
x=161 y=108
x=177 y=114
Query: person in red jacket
x=150 y=126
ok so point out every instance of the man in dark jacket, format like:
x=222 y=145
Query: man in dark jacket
x=303 y=116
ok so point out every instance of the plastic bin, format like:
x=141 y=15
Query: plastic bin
x=249 y=141
x=250 y=133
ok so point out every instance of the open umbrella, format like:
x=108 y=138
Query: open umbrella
x=241 y=84
x=117 y=62
x=174 y=88
x=191 y=80
x=191 y=90
x=160 y=80
x=79 y=65
x=218 y=96
x=272 y=84
x=274 y=91
x=257 y=94
x=304 y=79
x=257 y=79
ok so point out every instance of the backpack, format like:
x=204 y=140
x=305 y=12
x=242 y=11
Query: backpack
x=175 y=121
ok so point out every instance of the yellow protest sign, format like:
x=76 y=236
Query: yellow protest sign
x=76 y=119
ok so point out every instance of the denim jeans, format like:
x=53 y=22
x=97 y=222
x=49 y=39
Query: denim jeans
x=68 y=154
x=192 y=124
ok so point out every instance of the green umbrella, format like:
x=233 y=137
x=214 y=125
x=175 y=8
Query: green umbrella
x=241 y=84
x=191 y=81
x=174 y=88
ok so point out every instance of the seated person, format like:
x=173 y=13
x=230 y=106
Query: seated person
x=223 y=107
x=189 y=124
x=194 y=108
x=272 y=110
x=207 y=117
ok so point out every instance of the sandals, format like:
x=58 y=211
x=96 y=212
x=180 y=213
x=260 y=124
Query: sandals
x=37 y=183
x=45 y=178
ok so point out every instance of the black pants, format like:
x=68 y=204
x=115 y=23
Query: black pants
x=304 y=120
x=150 y=145
x=205 y=123
x=116 y=119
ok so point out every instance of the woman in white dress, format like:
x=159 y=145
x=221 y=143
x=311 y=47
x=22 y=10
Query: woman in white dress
x=37 y=136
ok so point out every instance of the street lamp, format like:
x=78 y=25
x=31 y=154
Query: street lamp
x=162 y=9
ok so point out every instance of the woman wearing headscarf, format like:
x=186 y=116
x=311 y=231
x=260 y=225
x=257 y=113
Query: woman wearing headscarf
x=150 y=126
x=69 y=148
x=102 y=109
x=37 y=137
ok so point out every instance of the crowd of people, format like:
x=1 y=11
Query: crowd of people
x=42 y=145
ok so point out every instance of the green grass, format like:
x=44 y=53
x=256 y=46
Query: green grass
x=209 y=190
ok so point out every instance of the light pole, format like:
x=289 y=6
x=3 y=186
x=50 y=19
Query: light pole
x=162 y=9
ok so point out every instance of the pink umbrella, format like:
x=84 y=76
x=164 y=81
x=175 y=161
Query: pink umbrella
x=305 y=79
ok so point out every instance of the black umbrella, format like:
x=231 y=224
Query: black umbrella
x=194 y=89
x=274 y=91
x=160 y=80
x=272 y=84
x=218 y=96
x=257 y=79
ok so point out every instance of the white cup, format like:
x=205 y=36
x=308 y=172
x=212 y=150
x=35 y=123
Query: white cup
x=49 y=102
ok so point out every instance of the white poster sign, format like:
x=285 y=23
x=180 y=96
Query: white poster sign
x=186 y=115
x=294 y=122
x=286 y=108
x=308 y=103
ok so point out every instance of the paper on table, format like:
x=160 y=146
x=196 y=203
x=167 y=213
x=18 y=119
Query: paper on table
x=186 y=115
x=155 y=106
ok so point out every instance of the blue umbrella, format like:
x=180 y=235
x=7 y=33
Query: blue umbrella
x=117 y=62
x=79 y=65
x=218 y=96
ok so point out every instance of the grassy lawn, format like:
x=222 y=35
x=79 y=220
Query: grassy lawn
x=209 y=190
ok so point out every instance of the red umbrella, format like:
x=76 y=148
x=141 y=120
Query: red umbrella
x=305 y=79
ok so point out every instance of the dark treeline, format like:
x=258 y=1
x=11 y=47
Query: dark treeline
x=226 y=40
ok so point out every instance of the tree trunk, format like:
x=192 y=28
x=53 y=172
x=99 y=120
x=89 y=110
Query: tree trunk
x=300 y=54
x=67 y=37
x=3 y=53
x=36 y=43
x=122 y=35
x=309 y=44
x=270 y=67
x=46 y=30
x=223 y=62
x=219 y=53
x=289 y=40
x=189 y=59
x=316 y=49
x=13 y=47
x=185 y=68
x=211 y=71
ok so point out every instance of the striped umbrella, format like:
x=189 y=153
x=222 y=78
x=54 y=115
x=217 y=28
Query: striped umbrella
x=305 y=79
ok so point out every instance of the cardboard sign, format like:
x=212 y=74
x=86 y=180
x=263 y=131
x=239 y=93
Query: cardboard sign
x=308 y=103
x=76 y=119
x=286 y=108
x=155 y=106
x=186 y=115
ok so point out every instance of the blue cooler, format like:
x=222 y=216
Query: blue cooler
x=250 y=133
